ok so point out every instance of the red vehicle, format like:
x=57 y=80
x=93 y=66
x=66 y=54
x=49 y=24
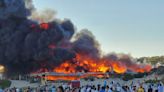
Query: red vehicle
x=75 y=83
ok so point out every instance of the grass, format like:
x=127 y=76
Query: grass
x=5 y=83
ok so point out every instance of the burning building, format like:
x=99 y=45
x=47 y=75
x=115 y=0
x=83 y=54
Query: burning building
x=52 y=76
x=28 y=45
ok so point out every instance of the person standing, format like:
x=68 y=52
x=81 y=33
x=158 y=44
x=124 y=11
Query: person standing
x=60 y=89
x=102 y=89
x=160 y=88
x=140 y=89
x=17 y=90
x=53 y=89
x=108 y=89
x=150 y=89
x=118 y=87
x=105 y=83
x=95 y=90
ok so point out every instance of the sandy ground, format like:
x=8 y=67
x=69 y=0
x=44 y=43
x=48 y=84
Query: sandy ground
x=20 y=84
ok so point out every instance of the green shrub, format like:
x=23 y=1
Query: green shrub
x=127 y=77
x=5 y=83
x=152 y=81
x=140 y=75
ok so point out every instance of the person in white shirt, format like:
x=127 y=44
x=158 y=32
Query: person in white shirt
x=17 y=90
x=118 y=87
x=82 y=89
x=53 y=89
x=110 y=90
x=160 y=88
x=88 y=89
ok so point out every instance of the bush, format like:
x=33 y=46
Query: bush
x=127 y=77
x=91 y=78
x=5 y=83
x=152 y=81
x=140 y=75
x=162 y=80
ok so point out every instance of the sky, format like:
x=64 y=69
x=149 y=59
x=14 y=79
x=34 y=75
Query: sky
x=134 y=27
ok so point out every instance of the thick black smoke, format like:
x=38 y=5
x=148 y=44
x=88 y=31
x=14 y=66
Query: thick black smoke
x=86 y=44
x=24 y=45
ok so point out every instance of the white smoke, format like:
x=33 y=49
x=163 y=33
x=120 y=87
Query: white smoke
x=47 y=15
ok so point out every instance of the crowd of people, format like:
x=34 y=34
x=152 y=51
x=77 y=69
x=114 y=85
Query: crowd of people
x=106 y=87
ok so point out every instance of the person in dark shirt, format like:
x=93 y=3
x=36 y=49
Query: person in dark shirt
x=150 y=89
x=60 y=89
x=102 y=89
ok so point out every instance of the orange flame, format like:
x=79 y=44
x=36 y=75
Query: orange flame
x=82 y=63
x=62 y=77
x=86 y=64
